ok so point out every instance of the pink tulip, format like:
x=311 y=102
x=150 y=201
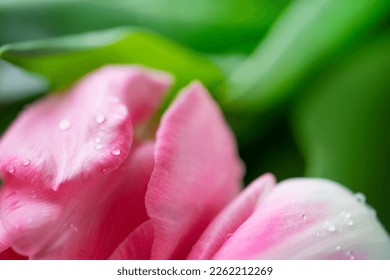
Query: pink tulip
x=84 y=180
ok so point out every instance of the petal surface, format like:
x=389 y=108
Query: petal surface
x=4 y=244
x=309 y=219
x=197 y=172
x=78 y=222
x=72 y=137
x=231 y=218
x=137 y=246
x=10 y=254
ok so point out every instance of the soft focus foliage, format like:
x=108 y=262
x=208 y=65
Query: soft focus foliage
x=304 y=84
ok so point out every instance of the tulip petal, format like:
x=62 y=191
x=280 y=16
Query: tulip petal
x=10 y=254
x=23 y=215
x=4 y=244
x=309 y=219
x=137 y=246
x=227 y=222
x=79 y=222
x=73 y=137
x=197 y=172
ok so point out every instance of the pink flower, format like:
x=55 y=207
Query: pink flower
x=82 y=180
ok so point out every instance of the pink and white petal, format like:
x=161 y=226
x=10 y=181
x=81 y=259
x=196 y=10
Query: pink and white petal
x=72 y=137
x=137 y=246
x=309 y=219
x=231 y=218
x=78 y=222
x=197 y=172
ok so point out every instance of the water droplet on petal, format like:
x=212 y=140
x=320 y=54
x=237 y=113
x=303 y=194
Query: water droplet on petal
x=26 y=162
x=338 y=247
x=350 y=254
x=360 y=197
x=11 y=169
x=304 y=217
x=64 y=124
x=115 y=151
x=104 y=171
x=100 y=119
x=98 y=140
x=229 y=235
x=33 y=195
x=328 y=226
x=74 y=227
x=348 y=222
x=345 y=214
x=98 y=146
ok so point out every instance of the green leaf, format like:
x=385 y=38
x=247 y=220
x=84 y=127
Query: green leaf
x=304 y=38
x=17 y=84
x=342 y=125
x=211 y=26
x=64 y=60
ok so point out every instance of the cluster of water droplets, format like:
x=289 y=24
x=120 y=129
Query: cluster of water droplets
x=11 y=169
x=115 y=150
x=331 y=227
x=99 y=119
x=33 y=195
x=347 y=221
x=346 y=218
x=98 y=145
x=65 y=124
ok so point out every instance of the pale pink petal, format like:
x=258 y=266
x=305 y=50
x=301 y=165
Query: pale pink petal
x=137 y=246
x=197 y=172
x=227 y=222
x=309 y=219
x=73 y=137
x=78 y=222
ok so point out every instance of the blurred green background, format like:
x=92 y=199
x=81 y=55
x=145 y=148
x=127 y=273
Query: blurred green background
x=305 y=84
